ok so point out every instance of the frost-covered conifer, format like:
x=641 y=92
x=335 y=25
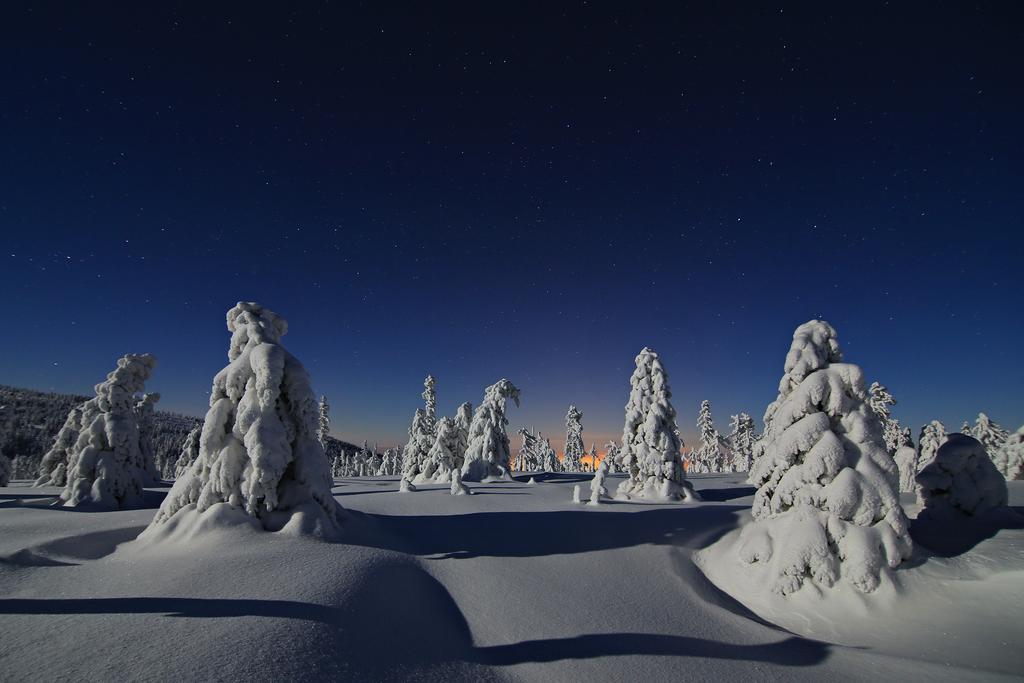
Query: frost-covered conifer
x=611 y=457
x=323 y=425
x=414 y=455
x=597 y=487
x=487 y=456
x=458 y=488
x=881 y=402
x=105 y=467
x=145 y=416
x=960 y=479
x=572 y=461
x=6 y=469
x=741 y=441
x=965 y=428
x=709 y=457
x=53 y=468
x=592 y=456
x=932 y=436
x=1009 y=459
x=463 y=419
x=440 y=462
x=650 y=439
x=189 y=452
x=991 y=435
x=258 y=453
x=391 y=463
x=548 y=458
x=826 y=508
x=528 y=459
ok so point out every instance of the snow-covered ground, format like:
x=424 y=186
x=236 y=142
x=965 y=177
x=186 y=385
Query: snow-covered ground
x=515 y=582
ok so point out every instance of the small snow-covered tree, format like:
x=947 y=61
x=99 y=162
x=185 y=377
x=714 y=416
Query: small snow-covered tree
x=53 y=467
x=421 y=438
x=572 y=461
x=741 y=441
x=391 y=463
x=548 y=458
x=965 y=428
x=826 y=507
x=611 y=457
x=991 y=435
x=440 y=460
x=597 y=487
x=145 y=416
x=650 y=440
x=189 y=453
x=1009 y=459
x=323 y=424
x=932 y=436
x=105 y=467
x=709 y=457
x=487 y=455
x=258 y=453
x=881 y=402
x=592 y=456
x=960 y=480
x=457 y=487
x=528 y=459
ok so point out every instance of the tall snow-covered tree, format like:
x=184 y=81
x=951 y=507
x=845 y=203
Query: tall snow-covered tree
x=421 y=438
x=549 y=461
x=612 y=457
x=991 y=435
x=826 y=507
x=932 y=436
x=54 y=465
x=709 y=457
x=741 y=441
x=650 y=441
x=881 y=402
x=189 y=453
x=323 y=424
x=145 y=416
x=572 y=461
x=1009 y=459
x=528 y=459
x=440 y=461
x=258 y=453
x=488 y=456
x=105 y=467
x=960 y=480
x=592 y=456
x=429 y=397
x=463 y=419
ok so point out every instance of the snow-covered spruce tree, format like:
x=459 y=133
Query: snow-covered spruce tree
x=6 y=470
x=965 y=428
x=549 y=461
x=105 y=467
x=932 y=436
x=258 y=453
x=826 y=508
x=189 y=453
x=440 y=462
x=421 y=438
x=528 y=458
x=1009 y=459
x=611 y=457
x=391 y=463
x=429 y=397
x=991 y=435
x=960 y=480
x=741 y=441
x=323 y=424
x=374 y=463
x=463 y=419
x=597 y=487
x=572 y=461
x=709 y=457
x=54 y=465
x=592 y=457
x=650 y=440
x=145 y=416
x=881 y=402
x=487 y=455
x=457 y=487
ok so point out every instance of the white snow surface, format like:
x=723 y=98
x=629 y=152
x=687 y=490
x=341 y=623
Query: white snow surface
x=412 y=590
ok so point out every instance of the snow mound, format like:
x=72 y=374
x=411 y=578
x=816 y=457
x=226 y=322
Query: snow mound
x=960 y=479
x=258 y=451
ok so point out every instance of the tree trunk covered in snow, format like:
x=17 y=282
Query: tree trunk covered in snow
x=258 y=453
x=827 y=507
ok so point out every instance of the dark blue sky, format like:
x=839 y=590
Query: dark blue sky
x=519 y=191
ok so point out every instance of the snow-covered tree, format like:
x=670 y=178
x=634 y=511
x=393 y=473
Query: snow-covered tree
x=991 y=435
x=189 y=452
x=572 y=461
x=145 y=416
x=105 y=467
x=463 y=419
x=6 y=470
x=709 y=457
x=881 y=402
x=258 y=453
x=421 y=438
x=323 y=424
x=592 y=456
x=391 y=463
x=53 y=468
x=965 y=428
x=1009 y=459
x=827 y=507
x=529 y=458
x=487 y=455
x=932 y=436
x=612 y=457
x=22 y=467
x=960 y=479
x=440 y=460
x=457 y=487
x=741 y=441
x=650 y=440
x=597 y=487
x=549 y=461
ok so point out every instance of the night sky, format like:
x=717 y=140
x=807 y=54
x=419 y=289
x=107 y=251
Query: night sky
x=492 y=190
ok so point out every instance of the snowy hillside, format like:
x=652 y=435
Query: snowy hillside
x=514 y=582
